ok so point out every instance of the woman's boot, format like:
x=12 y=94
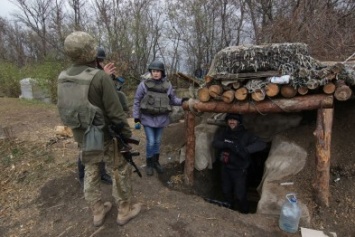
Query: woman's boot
x=156 y=164
x=149 y=168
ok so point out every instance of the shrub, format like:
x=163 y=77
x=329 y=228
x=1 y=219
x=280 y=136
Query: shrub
x=10 y=77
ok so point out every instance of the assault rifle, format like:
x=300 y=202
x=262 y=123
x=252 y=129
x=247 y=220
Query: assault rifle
x=124 y=148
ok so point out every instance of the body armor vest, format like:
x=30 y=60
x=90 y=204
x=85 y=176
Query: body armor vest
x=73 y=104
x=156 y=100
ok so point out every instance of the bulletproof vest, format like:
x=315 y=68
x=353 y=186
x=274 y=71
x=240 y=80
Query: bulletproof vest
x=73 y=104
x=156 y=100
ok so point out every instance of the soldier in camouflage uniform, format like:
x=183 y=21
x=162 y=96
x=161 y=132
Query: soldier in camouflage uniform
x=87 y=100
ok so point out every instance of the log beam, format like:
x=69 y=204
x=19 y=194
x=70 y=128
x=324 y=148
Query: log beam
x=190 y=148
x=342 y=91
x=323 y=134
x=296 y=104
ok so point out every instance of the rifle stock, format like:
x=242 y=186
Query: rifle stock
x=128 y=156
x=124 y=147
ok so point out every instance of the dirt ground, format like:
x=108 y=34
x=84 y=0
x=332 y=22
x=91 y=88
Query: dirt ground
x=40 y=194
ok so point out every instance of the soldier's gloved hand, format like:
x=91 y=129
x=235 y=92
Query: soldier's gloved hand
x=137 y=123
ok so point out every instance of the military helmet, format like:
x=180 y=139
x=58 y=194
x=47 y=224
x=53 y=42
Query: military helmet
x=157 y=65
x=100 y=53
x=80 y=47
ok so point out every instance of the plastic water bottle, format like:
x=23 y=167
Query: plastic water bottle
x=290 y=214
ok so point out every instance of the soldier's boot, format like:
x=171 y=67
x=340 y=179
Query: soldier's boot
x=157 y=165
x=105 y=178
x=100 y=210
x=127 y=211
x=149 y=169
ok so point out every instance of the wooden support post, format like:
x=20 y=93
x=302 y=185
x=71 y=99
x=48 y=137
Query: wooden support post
x=323 y=134
x=190 y=149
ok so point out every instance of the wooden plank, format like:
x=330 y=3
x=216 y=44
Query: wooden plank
x=247 y=75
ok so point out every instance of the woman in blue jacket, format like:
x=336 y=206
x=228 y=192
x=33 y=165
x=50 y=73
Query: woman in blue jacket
x=153 y=102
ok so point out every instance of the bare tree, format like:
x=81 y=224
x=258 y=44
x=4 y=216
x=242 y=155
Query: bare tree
x=326 y=26
x=205 y=27
x=77 y=6
x=34 y=15
x=12 y=43
x=130 y=31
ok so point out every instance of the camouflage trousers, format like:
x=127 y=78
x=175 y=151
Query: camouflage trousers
x=121 y=177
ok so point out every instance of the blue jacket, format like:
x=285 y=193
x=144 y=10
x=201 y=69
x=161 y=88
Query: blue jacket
x=155 y=121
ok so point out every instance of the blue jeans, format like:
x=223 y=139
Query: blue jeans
x=153 y=136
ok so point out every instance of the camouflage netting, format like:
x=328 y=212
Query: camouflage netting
x=287 y=58
x=285 y=70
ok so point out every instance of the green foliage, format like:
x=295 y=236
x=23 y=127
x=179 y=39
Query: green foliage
x=45 y=73
x=10 y=77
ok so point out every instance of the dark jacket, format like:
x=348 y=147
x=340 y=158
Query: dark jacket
x=235 y=146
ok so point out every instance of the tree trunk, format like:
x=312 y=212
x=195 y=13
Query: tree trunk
x=329 y=88
x=203 y=94
x=272 y=89
x=190 y=149
x=342 y=91
x=215 y=91
x=303 y=90
x=288 y=91
x=296 y=104
x=323 y=136
x=258 y=95
x=241 y=94
x=228 y=96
